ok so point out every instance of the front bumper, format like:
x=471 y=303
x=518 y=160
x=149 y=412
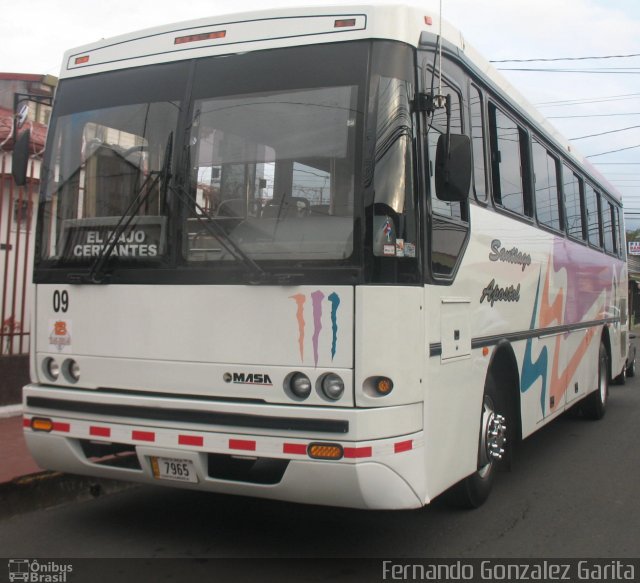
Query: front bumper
x=383 y=449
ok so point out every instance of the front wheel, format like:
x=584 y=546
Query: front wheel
x=595 y=405
x=473 y=491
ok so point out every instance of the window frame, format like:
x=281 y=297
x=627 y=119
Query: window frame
x=528 y=205
x=559 y=186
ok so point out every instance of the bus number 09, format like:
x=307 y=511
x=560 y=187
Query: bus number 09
x=60 y=301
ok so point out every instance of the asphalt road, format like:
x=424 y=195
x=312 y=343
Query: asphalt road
x=574 y=491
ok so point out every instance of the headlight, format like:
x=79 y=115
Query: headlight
x=332 y=386
x=300 y=385
x=51 y=369
x=72 y=370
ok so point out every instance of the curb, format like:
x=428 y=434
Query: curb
x=10 y=411
x=47 y=489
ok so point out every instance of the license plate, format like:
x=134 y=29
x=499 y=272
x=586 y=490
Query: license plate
x=167 y=468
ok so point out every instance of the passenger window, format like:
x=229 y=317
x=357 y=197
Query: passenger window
x=607 y=226
x=508 y=162
x=477 y=136
x=593 y=220
x=545 y=179
x=573 y=203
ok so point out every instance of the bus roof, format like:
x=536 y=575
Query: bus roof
x=284 y=27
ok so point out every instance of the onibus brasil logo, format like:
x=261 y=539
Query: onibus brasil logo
x=39 y=571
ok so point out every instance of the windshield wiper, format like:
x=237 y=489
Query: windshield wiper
x=216 y=231
x=96 y=272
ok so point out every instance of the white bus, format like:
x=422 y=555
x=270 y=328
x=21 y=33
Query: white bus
x=319 y=255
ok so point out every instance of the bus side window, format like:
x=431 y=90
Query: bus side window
x=607 y=226
x=477 y=137
x=574 y=203
x=545 y=172
x=593 y=218
x=508 y=163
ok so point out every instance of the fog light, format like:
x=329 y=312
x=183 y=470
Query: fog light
x=325 y=451
x=300 y=385
x=332 y=386
x=51 y=369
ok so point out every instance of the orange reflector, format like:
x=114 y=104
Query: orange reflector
x=344 y=23
x=384 y=385
x=180 y=40
x=428 y=20
x=325 y=451
x=41 y=424
x=485 y=351
x=81 y=60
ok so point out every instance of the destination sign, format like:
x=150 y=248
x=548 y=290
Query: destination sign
x=89 y=238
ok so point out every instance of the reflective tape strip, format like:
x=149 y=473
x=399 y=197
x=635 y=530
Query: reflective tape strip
x=295 y=448
x=242 y=444
x=403 y=446
x=64 y=427
x=358 y=452
x=99 y=431
x=143 y=435
x=196 y=440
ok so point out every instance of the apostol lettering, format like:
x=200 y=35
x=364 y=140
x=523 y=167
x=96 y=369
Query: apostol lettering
x=494 y=293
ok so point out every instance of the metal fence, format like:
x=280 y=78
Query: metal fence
x=17 y=206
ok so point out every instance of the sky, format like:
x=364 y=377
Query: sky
x=35 y=34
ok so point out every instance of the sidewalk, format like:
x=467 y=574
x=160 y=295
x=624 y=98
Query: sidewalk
x=15 y=460
x=25 y=487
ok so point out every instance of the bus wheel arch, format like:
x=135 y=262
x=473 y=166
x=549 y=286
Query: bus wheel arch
x=500 y=427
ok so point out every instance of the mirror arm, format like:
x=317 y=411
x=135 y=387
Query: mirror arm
x=448 y=110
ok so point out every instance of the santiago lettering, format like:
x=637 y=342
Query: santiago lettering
x=513 y=255
x=494 y=293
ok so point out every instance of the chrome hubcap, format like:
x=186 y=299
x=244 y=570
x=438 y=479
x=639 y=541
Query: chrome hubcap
x=497 y=437
x=494 y=436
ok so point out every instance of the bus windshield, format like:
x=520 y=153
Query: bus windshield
x=276 y=170
x=269 y=165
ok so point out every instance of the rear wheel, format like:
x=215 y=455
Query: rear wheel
x=621 y=379
x=631 y=369
x=475 y=489
x=595 y=405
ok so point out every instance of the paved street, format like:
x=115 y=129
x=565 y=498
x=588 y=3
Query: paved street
x=574 y=492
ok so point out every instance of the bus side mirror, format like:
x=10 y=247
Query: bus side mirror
x=453 y=168
x=20 y=158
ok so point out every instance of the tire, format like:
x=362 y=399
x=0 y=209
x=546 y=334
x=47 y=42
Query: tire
x=621 y=379
x=595 y=405
x=474 y=490
x=631 y=369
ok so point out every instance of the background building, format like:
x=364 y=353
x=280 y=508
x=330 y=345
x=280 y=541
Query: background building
x=17 y=214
